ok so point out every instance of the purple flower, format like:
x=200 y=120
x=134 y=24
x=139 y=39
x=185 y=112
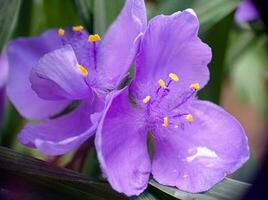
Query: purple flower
x=3 y=78
x=196 y=143
x=50 y=72
x=246 y=12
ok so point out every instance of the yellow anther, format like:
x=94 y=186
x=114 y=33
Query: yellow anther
x=146 y=99
x=189 y=117
x=94 y=38
x=82 y=70
x=174 y=77
x=162 y=83
x=78 y=28
x=195 y=86
x=165 y=122
x=61 y=32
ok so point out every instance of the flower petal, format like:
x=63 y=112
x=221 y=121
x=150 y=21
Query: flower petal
x=56 y=76
x=121 y=146
x=246 y=11
x=63 y=134
x=22 y=55
x=3 y=69
x=171 y=45
x=82 y=48
x=203 y=153
x=2 y=103
x=119 y=45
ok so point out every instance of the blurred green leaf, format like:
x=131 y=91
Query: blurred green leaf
x=100 y=12
x=248 y=73
x=240 y=42
x=212 y=12
x=85 y=10
x=9 y=131
x=226 y=190
x=54 y=179
x=105 y=12
x=47 y=14
x=170 y=6
x=8 y=17
x=209 y=12
x=221 y=30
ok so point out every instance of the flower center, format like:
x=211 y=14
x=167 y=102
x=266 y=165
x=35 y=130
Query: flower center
x=158 y=106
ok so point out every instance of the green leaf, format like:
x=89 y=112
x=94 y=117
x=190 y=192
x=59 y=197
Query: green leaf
x=85 y=10
x=221 y=30
x=248 y=75
x=226 y=190
x=8 y=17
x=170 y=6
x=51 y=179
x=212 y=12
x=101 y=13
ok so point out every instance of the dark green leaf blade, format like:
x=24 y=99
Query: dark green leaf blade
x=228 y=189
x=66 y=182
x=8 y=17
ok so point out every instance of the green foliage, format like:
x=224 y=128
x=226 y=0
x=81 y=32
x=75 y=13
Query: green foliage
x=8 y=18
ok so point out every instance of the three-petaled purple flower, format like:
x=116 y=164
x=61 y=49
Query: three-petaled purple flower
x=196 y=143
x=246 y=11
x=50 y=72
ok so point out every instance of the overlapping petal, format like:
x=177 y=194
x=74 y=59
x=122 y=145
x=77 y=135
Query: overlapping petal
x=57 y=76
x=3 y=69
x=3 y=79
x=246 y=11
x=203 y=153
x=81 y=47
x=171 y=45
x=118 y=47
x=22 y=55
x=122 y=147
x=2 y=103
x=63 y=134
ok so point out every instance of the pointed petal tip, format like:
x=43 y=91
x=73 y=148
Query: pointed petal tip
x=191 y=11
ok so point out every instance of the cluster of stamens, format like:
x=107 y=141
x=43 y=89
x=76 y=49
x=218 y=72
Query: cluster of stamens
x=165 y=87
x=91 y=38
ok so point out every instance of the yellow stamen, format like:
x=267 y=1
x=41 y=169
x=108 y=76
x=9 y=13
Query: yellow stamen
x=174 y=77
x=195 y=86
x=165 y=123
x=189 y=117
x=146 y=99
x=61 y=32
x=82 y=70
x=78 y=28
x=162 y=83
x=94 y=38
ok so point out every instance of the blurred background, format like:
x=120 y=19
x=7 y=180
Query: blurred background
x=239 y=68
